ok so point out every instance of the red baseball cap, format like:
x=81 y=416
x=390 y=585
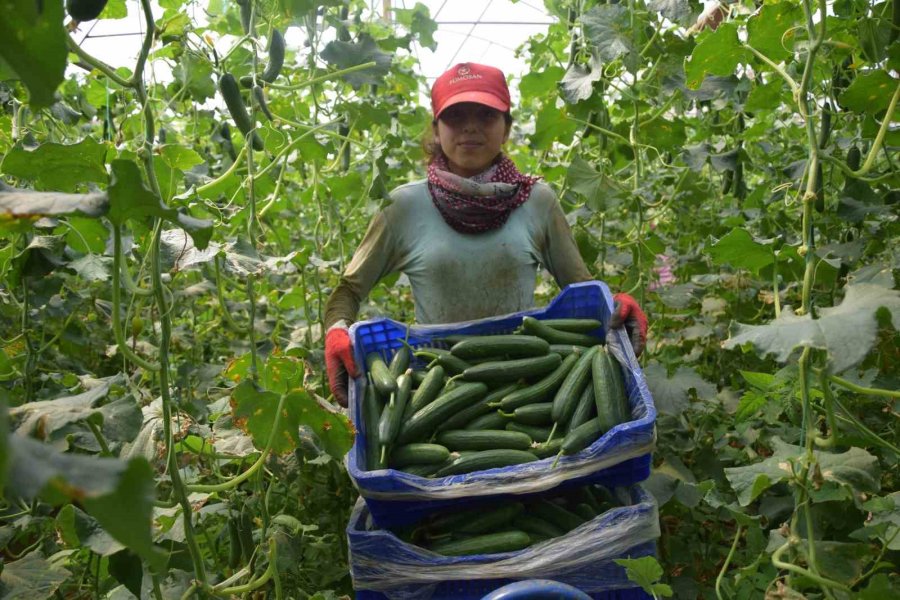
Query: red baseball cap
x=470 y=82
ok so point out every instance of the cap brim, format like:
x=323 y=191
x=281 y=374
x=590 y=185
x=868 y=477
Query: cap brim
x=485 y=98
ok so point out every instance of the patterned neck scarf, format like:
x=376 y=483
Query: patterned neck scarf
x=480 y=203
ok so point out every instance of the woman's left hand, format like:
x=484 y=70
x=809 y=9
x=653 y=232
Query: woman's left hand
x=628 y=312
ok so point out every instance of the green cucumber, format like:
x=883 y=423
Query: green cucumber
x=371 y=415
x=423 y=422
x=260 y=98
x=246 y=11
x=400 y=361
x=492 y=520
x=541 y=389
x=385 y=383
x=491 y=543
x=566 y=399
x=620 y=398
x=536 y=525
x=418 y=454
x=418 y=377
x=533 y=414
x=425 y=470
x=84 y=10
x=484 y=439
x=538 y=434
x=604 y=391
x=231 y=93
x=556 y=514
x=492 y=420
x=581 y=437
x=392 y=415
x=276 y=57
x=439 y=356
x=585 y=409
x=533 y=326
x=428 y=389
x=514 y=346
x=503 y=371
x=486 y=459
x=585 y=511
x=574 y=325
x=547 y=449
x=565 y=350
x=463 y=418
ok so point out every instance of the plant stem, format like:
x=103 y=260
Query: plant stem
x=737 y=538
x=863 y=390
x=790 y=80
x=779 y=564
x=104 y=447
x=879 y=139
x=118 y=334
x=325 y=77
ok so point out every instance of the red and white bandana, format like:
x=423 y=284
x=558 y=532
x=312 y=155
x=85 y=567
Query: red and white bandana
x=480 y=203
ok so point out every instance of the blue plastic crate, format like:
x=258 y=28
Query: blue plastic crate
x=620 y=457
x=385 y=567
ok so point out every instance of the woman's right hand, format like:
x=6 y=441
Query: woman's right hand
x=339 y=361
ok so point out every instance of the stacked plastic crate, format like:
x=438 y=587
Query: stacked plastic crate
x=383 y=566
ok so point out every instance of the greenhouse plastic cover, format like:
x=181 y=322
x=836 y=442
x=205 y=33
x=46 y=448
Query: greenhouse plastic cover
x=583 y=558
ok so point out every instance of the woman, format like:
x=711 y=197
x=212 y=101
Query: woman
x=470 y=237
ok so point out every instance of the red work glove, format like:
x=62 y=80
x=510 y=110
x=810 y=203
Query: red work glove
x=628 y=312
x=339 y=361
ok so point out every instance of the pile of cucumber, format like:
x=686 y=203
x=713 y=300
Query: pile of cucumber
x=506 y=526
x=549 y=389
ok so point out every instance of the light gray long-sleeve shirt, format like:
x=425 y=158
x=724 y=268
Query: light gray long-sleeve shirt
x=459 y=276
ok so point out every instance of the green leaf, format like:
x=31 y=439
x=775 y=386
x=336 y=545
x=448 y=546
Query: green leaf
x=33 y=45
x=31 y=576
x=717 y=53
x=120 y=420
x=344 y=55
x=739 y=250
x=670 y=394
x=551 y=125
x=77 y=528
x=19 y=208
x=870 y=93
x=180 y=157
x=58 y=167
x=751 y=403
x=418 y=21
x=118 y=494
x=854 y=468
x=283 y=374
x=92 y=267
x=846 y=332
x=540 y=83
x=645 y=572
x=880 y=587
x=762 y=381
x=608 y=28
x=195 y=72
x=333 y=428
x=43 y=417
x=578 y=82
x=677 y=11
x=130 y=199
x=771 y=30
x=115 y=9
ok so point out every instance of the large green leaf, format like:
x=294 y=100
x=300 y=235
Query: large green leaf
x=418 y=21
x=592 y=184
x=130 y=199
x=578 y=82
x=42 y=418
x=77 y=528
x=771 y=30
x=739 y=250
x=854 y=468
x=870 y=92
x=19 y=208
x=30 y=578
x=118 y=494
x=344 y=55
x=846 y=332
x=33 y=45
x=670 y=394
x=608 y=28
x=717 y=53
x=60 y=167
x=194 y=72
x=677 y=11
x=254 y=412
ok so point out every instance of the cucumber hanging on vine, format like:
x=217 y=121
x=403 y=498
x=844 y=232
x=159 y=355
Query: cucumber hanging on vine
x=260 y=98
x=246 y=12
x=231 y=93
x=85 y=10
x=824 y=135
x=276 y=57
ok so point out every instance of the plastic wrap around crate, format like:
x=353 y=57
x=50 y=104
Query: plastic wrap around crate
x=383 y=566
x=620 y=457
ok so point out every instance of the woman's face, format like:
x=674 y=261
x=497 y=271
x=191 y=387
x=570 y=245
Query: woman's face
x=471 y=136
